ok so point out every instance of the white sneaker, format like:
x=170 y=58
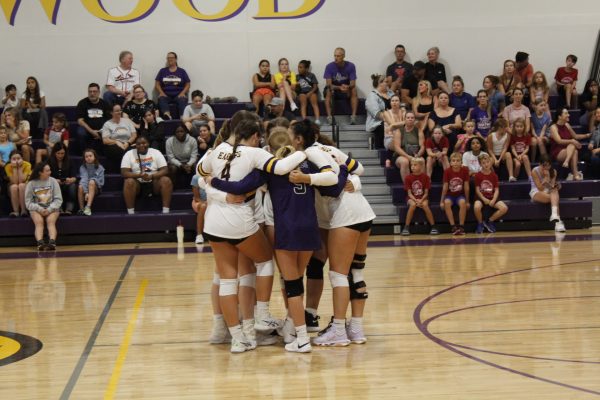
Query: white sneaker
x=559 y=227
x=512 y=179
x=569 y=177
x=266 y=323
x=554 y=217
x=295 y=347
x=220 y=334
x=288 y=331
x=263 y=339
x=240 y=347
x=87 y=211
x=356 y=336
x=250 y=334
x=329 y=337
x=199 y=239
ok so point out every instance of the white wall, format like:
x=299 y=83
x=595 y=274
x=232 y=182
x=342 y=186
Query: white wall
x=475 y=38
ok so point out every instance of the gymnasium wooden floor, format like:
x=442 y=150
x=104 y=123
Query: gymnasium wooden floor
x=507 y=316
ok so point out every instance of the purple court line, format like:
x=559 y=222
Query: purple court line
x=424 y=328
x=375 y=244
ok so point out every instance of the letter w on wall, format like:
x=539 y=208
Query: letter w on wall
x=10 y=8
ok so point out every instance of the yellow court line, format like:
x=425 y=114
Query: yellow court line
x=116 y=375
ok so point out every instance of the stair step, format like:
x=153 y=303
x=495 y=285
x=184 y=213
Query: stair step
x=379 y=199
x=373 y=171
x=375 y=189
x=385 y=210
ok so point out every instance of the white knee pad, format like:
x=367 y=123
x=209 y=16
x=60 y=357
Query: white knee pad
x=248 y=280
x=216 y=278
x=338 y=280
x=265 y=268
x=228 y=287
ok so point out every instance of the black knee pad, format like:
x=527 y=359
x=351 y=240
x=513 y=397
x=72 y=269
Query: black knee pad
x=294 y=288
x=354 y=293
x=314 y=270
x=359 y=261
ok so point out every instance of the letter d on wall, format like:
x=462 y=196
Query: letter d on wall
x=10 y=8
x=269 y=9
x=233 y=8
x=141 y=11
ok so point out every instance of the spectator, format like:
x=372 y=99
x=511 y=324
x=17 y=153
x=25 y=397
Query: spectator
x=594 y=145
x=91 y=175
x=463 y=139
x=398 y=71
x=437 y=150
x=17 y=172
x=509 y=81
x=517 y=110
x=524 y=69
x=199 y=205
x=540 y=126
x=206 y=141
x=409 y=142
x=455 y=192
x=539 y=87
x=118 y=135
x=264 y=85
x=340 y=76
x=6 y=147
x=475 y=146
x=410 y=86
x=565 y=144
x=172 y=84
x=33 y=106
x=10 y=97
x=18 y=132
x=487 y=193
x=495 y=96
x=145 y=171
x=276 y=109
x=377 y=102
x=393 y=119
x=588 y=101
x=417 y=188
x=138 y=105
x=424 y=103
x=445 y=116
x=520 y=142
x=121 y=79
x=566 y=81
x=65 y=175
x=153 y=130
x=483 y=114
x=57 y=133
x=43 y=200
x=435 y=72
x=308 y=87
x=498 y=143
x=182 y=153
x=462 y=101
x=286 y=83
x=198 y=113
x=544 y=189
x=92 y=113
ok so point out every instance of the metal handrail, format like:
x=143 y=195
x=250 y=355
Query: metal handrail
x=595 y=71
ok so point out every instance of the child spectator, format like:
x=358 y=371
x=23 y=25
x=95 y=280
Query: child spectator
x=206 y=140
x=487 y=194
x=57 y=133
x=264 y=85
x=308 y=88
x=483 y=114
x=470 y=159
x=65 y=175
x=520 y=140
x=498 y=143
x=588 y=101
x=594 y=145
x=17 y=172
x=417 y=187
x=539 y=89
x=43 y=200
x=198 y=113
x=18 y=132
x=10 y=97
x=540 y=126
x=33 y=105
x=544 y=189
x=182 y=153
x=6 y=147
x=437 y=150
x=455 y=192
x=199 y=206
x=463 y=139
x=153 y=130
x=91 y=175
x=566 y=81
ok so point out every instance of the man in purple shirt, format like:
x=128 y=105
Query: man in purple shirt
x=340 y=76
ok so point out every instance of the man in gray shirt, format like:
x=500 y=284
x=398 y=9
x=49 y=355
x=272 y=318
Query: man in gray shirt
x=182 y=152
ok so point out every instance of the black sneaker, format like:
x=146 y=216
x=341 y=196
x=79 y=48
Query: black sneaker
x=312 y=322
x=40 y=245
x=51 y=245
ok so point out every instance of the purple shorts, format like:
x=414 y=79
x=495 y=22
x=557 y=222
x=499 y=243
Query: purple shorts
x=454 y=199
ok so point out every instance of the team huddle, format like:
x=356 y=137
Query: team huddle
x=296 y=200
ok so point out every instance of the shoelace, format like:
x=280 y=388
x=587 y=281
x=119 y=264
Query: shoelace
x=322 y=332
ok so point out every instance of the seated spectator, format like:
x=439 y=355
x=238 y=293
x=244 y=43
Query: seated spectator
x=308 y=87
x=565 y=144
x=455 y=192
x=57 y=133
x=17 y=172
x=340 y=76
x=417 y=188
x=498 y=143
x=495 y=96
x=424 y=103
x=10 y=97
x=539 y=89
x=153 y=130
x=135 y=108
x=520 y=142
x=121 y=79
x=263 y=84
x=392 y=120
x=588 y=101
x=517 y=110
x=445 y=116
x=182 y=153
x=378 y=100
x=199 y=206
x=43 y=200
x=33 y=107
x=398 y=71
x=566 y=81
x=594 y=145
x=6 y=147
x=459 y=99
x=198 y=113
x=409 y=142
x=524 y=69
x=509 y=81
x=410 y=85
x=483 y=114
x=118 y=135
x=435 y=72
x=18 y=132
x=437 y=150
x=206 y=141
x=540 y=126
x=475 y=147
x=544 y=189
x=91 y=181
x=487 y=194
x=286 y=83
x=65 y=174
x=145 y=171
x=92 y=113
x=172 y=84
x=276 y=109
x=463 y=139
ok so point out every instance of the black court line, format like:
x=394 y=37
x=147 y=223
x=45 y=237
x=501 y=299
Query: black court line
x=66 y=394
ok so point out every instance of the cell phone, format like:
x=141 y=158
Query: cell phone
x=204 y=114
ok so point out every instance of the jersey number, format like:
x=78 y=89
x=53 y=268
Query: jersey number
x=300 y=188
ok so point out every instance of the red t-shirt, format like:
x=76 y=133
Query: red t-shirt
x=487 y=184
x=520 y=142
x=456 y=181
x=564 y=77
x=526 y=73
x=437 y=147
x=417 y=184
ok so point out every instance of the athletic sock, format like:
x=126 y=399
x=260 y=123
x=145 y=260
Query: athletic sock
x=312 y=311
x=218 y=318
x=339 y=325
x=301 y=334
x=262 y=308
x=236 y=333
x=356 y=323
x=131 y=211
x=166 y=210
